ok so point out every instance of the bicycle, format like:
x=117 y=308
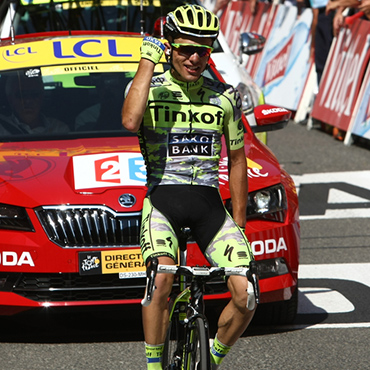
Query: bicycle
x=187 y=341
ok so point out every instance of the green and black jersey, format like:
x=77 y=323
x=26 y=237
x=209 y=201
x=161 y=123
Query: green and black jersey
x=180 y=136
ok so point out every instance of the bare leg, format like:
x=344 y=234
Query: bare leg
x=155 y=316
x=235 y=317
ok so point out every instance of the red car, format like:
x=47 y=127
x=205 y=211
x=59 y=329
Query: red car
x=72 y=181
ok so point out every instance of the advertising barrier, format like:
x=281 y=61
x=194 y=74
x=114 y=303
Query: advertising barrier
x=281 y=70
x=285 y=63
x=360 y=124
x=238 y=18
x=343 y=75
x=286 y=73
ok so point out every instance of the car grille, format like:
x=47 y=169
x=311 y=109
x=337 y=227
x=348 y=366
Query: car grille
x=87 y=227
x=72 y=287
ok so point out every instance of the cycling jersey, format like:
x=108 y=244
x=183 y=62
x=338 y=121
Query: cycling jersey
x=180 y=138
x=182 y=127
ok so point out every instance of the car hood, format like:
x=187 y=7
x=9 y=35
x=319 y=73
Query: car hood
x=97 y=171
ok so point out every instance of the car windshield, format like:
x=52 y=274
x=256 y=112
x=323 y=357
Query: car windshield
x=66 y=101
x=107 y=15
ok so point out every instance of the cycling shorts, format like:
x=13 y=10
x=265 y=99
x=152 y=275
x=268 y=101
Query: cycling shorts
x=168 y=208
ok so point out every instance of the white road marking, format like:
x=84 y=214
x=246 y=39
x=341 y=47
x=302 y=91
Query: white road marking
x=357 y=178
x=327 y=326
x=319 y=300
x=336 y=196
x=358 y=272
x=313 y=300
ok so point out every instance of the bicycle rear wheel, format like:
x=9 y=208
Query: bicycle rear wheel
x=198 y=357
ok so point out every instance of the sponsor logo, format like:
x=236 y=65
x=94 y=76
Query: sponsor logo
x=164 y=95
x=18 y=52
x=127 y=200
x=266 y=112
x=10 y=258
x=190 y=144
x=90 y=48
x=35 y=72
x=228 y=252
x=254 y=170
x=102 y=170
x=276 y=67
x=344 y=70
x=109 y=262
x=165 y=113
x=177 y=94
x=237 y=141
x=91 y=262
x=260 y=247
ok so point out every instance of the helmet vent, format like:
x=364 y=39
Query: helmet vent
x=179 y=16
x=190 y=16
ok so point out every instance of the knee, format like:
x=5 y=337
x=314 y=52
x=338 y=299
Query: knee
x=239 y=293
x=163 y=283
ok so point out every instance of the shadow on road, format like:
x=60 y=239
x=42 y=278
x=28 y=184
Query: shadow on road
x=53 y=326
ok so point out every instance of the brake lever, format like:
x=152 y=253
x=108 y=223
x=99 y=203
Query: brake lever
x=151 y=273
x=252 y=276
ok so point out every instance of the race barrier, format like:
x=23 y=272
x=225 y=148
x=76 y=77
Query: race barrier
x=342 y=92
x=281 y=70
x=360 y=124
x=286 y=73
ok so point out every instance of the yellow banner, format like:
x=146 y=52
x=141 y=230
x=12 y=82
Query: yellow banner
x=126 y=260
x=71 y=50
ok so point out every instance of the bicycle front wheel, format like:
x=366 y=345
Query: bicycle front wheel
x=198 y=357
x=173 y=345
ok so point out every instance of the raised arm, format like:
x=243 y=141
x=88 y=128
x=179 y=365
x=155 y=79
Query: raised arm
x=136 y=100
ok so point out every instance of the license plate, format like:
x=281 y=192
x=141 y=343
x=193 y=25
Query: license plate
x=128 y=263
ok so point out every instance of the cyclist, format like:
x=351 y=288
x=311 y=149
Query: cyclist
x=180 y=117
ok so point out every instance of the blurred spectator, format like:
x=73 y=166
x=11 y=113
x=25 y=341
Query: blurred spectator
x=364 y=6
x=322 y=35
x=219 y=6
x=25 y=98
x=340 y=5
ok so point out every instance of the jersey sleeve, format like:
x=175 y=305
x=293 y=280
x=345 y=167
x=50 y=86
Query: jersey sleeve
x=233 y=125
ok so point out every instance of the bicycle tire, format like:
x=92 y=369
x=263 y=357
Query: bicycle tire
x=173 y=345
x=198 y=357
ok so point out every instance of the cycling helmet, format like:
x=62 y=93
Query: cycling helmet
x=192 y=20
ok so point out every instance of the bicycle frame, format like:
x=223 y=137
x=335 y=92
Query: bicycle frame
x=187 y=321
x=186 y=309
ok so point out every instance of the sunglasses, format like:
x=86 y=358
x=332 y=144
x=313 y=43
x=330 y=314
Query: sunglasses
x=190 y=49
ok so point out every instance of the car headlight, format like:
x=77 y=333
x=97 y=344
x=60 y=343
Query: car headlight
x=14 y=218
x=269 y=204
x=247 y=98
x=272 y=267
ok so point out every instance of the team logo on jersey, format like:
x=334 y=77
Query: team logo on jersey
x=189 y=144
x=177 y=94
x=164 y=95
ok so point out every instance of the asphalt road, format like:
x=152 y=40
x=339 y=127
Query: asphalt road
x=333 y=323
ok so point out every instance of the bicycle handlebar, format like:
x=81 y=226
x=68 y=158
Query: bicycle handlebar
x=208 y=273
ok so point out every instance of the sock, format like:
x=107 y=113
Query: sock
x=154 y=356
x=218 y=353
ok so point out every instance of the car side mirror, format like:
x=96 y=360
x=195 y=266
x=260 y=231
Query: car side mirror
x=251 y=43
x=270 y=118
